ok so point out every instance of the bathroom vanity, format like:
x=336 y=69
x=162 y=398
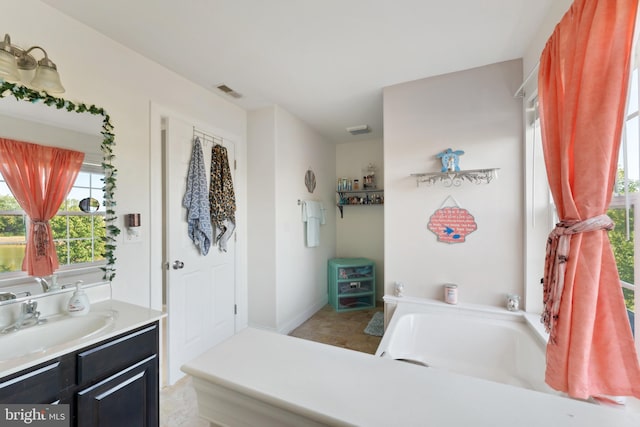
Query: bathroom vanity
x=109 y=378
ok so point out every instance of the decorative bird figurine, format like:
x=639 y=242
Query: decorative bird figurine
x=450 y=160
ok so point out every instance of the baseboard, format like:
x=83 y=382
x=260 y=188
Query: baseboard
x=261 y=327
x=303 y=316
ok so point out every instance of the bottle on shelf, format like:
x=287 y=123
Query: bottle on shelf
x=369 y=178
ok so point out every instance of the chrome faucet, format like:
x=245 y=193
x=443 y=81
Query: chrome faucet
x=29 y=316
x=48 y=285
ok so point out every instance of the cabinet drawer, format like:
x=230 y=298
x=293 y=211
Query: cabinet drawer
x=355 y=272
x=40 y=385
x=110 y=357
x=355 y=302
x=355 y=287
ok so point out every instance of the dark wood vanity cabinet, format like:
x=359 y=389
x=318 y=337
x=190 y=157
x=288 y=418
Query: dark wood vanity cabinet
x=112 y=383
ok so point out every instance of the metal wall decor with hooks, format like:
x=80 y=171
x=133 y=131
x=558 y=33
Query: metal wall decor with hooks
x=213 y=140
x=207 y=138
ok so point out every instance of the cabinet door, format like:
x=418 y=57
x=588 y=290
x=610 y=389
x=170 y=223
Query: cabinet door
x=128 y=398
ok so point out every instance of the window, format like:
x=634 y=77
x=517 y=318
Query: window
x=626 y=196
x=78 y=236
x=13 y=230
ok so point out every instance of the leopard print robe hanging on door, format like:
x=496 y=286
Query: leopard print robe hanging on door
x=221 y=197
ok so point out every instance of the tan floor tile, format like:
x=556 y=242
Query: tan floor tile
x=340 y=329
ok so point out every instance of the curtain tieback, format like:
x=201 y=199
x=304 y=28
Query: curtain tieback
x=557 y=254
x=40 y=237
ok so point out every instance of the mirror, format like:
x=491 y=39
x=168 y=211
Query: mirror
x=37 y=117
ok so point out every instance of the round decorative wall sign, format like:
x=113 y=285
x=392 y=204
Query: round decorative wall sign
x=310 y=180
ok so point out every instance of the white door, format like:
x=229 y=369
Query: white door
x=200 y=289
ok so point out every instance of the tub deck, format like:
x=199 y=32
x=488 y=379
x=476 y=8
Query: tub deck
x=263 y=378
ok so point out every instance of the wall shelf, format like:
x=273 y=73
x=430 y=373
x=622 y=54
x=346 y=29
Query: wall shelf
x=365 y=197
x=456 y=178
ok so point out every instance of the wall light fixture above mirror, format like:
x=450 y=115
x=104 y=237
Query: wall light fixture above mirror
x=19 y=66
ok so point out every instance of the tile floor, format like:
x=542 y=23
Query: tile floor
x=178 y=406
x=340 y=329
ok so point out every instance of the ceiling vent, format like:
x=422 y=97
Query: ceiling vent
x=227 y=90
x=359 y=130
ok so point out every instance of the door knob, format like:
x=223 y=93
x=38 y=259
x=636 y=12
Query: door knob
x=177 y=265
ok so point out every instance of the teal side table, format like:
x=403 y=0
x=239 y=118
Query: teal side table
x=352 y=283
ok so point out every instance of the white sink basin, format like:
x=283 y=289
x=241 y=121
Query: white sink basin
x=58 y=330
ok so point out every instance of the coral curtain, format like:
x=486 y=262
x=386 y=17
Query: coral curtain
x=583 y=80
x=40 y=178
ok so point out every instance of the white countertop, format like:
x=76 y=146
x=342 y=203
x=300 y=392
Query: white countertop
x=126 y=317
x=336 y=386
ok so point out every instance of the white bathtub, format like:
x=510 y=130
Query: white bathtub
x=261 y=378
x=484 y=342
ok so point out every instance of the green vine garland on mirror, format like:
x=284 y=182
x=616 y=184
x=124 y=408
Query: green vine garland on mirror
x=25 y=94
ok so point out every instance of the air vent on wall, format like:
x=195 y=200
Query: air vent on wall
x=227 y=90
x=358 y=130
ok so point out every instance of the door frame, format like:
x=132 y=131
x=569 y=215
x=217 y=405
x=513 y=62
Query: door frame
x=156 y=222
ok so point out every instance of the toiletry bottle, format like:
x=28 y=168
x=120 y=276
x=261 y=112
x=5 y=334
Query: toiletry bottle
x=79 y=302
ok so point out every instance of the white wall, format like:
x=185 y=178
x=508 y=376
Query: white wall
x=531 y=57
x=474 y=111
x=360 y=233
x=95 y=69
x=262 y=217
x=299 y=282
x=45 y=134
